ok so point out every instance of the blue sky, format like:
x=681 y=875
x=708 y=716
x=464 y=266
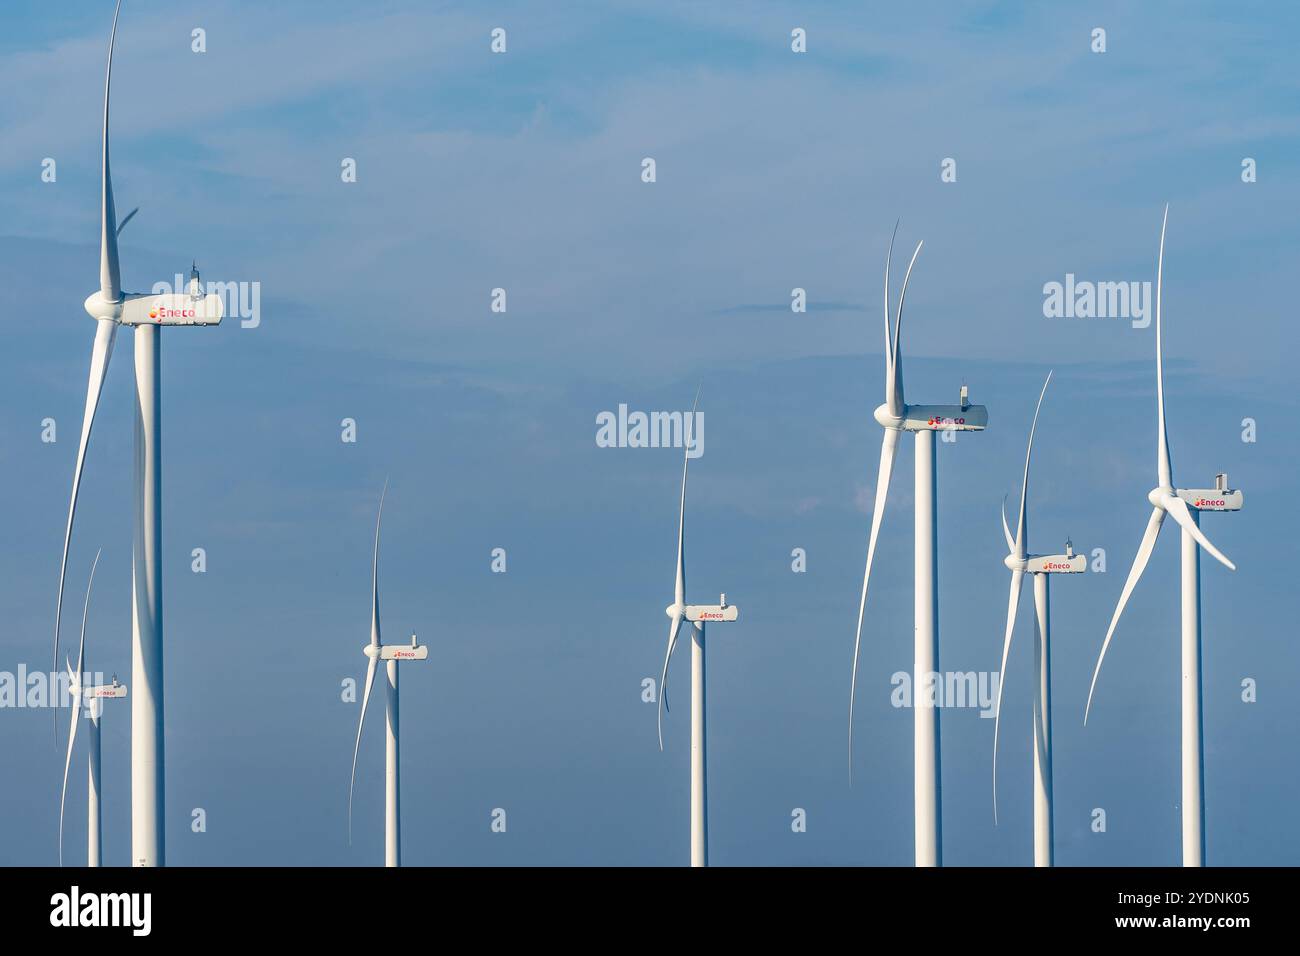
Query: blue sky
x=775 y=171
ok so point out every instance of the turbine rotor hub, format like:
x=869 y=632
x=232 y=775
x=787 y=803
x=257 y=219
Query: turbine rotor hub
x=97 y=307
x=886 y=418
x=1155 y=494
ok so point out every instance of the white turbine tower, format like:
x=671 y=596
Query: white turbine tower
x=896 y=416
x=698 y=615
x=1020 y=562
x=93 y=697
x=111 y=307
x=1184 y=505
x=391 y=654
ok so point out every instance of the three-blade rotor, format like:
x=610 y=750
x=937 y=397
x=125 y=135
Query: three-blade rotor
x=677 y=610
x=1016 y=560
x=1164 y=497
x=372 y=662
x=890 y=415
x=110 y=288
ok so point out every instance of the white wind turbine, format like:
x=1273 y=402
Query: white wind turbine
x=391 y=653
x=111 y=307
x=896 y=416
x=698 y=615
x=1184 y=505
x=93 y=697
x=1020 y=562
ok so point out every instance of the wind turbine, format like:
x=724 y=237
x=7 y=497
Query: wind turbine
x=146 y=313
x=1184 y=505
x=390 y=653
x=896 y=416
x=698 y=614
x=94 y=698
x=1040 y=566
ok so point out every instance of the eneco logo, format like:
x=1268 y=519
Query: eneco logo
x=161 y=314
x=937 y=422
x=1210 y=502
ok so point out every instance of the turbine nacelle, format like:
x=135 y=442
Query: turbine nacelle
x=934 y=418
x=712 y=612
x=1218 y=498
x=1056 y=564
x=397 y=652
x=1067 y=563
x=167 y=308
x=964 y=418
x=105 y=691
x=95 y=697
x=703 y=613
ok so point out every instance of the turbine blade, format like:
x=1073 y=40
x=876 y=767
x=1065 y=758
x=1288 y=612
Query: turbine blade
x=1013 y=604
x=890 y=376
x=365 y=702
x=1006 y=531
x=1179 y=511
x=110 y=279
x=673 y=628
x=888 y=451
x=129 y=216
x=67 y=766
x=105 y=332
x=1022 y=543
x=1163 y=467
x=1139 y=565
x=679 y=584
x=374 y=572
x=85 y=616
x=76 y=701
x=896 y=403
